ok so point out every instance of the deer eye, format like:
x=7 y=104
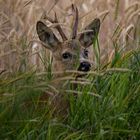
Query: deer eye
x=86 y=53
x=67 y=55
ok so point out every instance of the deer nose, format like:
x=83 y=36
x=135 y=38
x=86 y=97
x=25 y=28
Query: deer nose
x=84 y=66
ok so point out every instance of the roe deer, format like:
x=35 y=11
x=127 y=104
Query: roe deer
x=71 y=54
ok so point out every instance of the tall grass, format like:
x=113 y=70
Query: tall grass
x=107 y=102
x=107 y=108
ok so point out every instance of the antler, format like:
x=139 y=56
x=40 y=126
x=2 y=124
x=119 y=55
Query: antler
x=75 y=25
x=58 y=27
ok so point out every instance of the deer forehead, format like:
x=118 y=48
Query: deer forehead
x=72 y=46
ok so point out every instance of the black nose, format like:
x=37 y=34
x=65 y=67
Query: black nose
x=84 y=66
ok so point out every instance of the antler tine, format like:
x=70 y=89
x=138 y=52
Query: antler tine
x=49 y=19
x=58 y=27
x=75 y=25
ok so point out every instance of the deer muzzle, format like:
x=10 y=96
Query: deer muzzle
x=84 y=66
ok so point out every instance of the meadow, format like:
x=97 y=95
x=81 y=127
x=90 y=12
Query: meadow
x=107 y=103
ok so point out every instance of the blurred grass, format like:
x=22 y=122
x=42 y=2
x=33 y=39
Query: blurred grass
x=120 y=25
x=107 y=105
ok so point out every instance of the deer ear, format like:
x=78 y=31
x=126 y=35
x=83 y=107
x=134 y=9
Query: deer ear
x=46 y=35
x=87 y=38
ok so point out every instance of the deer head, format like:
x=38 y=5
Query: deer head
x=69 y=54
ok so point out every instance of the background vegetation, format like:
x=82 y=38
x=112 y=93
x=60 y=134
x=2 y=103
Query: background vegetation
x=106 y=107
